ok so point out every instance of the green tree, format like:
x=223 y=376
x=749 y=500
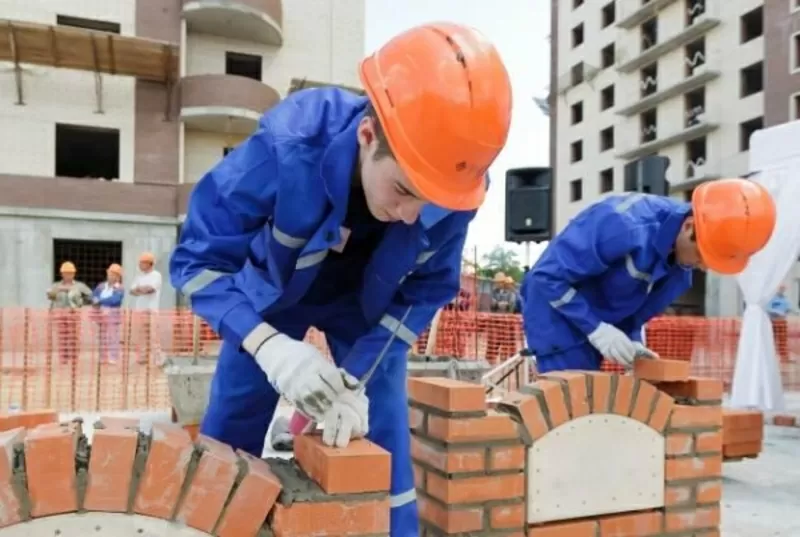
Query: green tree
x=501 y=259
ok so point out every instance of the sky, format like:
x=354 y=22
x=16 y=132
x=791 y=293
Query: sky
x=520 y=31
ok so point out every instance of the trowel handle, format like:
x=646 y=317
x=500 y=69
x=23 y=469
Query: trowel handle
x=300 y=424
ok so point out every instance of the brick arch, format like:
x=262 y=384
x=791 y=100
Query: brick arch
x=159 y=482
x=475 y=470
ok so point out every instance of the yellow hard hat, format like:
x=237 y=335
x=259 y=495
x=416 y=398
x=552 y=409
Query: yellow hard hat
x=500 y=277
x=68 y=267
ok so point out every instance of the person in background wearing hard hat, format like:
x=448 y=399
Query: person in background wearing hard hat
x=66 y=297
x=146 y=293
x=625 y=259
x=107 y=299
x=348 y=214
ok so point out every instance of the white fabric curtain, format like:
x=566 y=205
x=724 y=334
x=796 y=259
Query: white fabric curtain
x=757 y=378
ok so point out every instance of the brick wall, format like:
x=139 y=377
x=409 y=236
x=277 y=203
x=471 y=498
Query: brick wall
x=574 y=454
x=49 y=472
x=480 y=470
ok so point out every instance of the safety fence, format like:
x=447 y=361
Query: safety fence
x=109 y=360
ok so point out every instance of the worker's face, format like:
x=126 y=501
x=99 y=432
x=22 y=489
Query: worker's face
x=390 y=197
x=112 y=277
x=145 y=266
x=686 y=252
x=68 y=276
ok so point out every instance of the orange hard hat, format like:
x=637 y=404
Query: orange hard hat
x=733 y=219
x=147 y=257
x=115 y=268
x=443 y=98
x=68 y=267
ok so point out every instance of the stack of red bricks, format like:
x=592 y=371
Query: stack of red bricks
x=49 y=469
x=743 y=432
x=470 y=461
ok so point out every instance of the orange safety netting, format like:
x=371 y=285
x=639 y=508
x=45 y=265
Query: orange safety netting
x=104 y=360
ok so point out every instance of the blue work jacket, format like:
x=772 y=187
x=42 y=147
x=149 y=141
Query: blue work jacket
x=610 y=264
x=260 y=223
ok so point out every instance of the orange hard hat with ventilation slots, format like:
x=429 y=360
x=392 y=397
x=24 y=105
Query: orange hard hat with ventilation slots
x=443 y=98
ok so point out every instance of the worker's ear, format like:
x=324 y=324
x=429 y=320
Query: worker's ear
x=366 y=132
x=688 y=227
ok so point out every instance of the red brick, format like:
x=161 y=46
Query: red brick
x=491 y=427
x=643 y=402
x=707 y=517
x=50 y=468
x=785 y=421
x=636 y=524
x=680 y=444
x=111 y=465
x=29 y=419
x=709 y=492
x=529 y=410
x=210 y=487
x=554 y=400
x=447 y=394
x=331 y=518
x=576 y=387
x=507 y=516
x=587 y=528
x=160 y=485
x=416 y=419
x=507 y=458
x=623 y=396
x=693 y=468
x=10 y=512
x=679 y=495
x=737 y=419
x=450 y=461
x=464 y=520
x=601 y=392
x=661 y=370
x=252 y=501
x=708 y=442
x=360 y=467
x=701 y=389
x=476 y=489
x=744 y=449
x=662 y=412
x=684 y=416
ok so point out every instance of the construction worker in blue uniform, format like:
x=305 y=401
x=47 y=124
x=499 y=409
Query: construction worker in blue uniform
x=625 y=259
x=348 y=214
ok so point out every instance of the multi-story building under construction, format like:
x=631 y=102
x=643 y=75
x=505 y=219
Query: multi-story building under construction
x=110 y=111
x=691 y=80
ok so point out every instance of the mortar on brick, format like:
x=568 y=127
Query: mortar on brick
x=20 y=482
x=298 y=487
x=241 y=473
x=191 y=470
x=140 y=460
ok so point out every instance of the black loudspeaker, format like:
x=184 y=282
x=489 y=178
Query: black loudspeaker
x=529 y=204
x=648 y=175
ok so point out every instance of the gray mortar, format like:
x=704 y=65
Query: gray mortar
x=139 y=462
x=19 y=481
x=191 y=470
x=82 y=454
x=298 y=487
x=242 y=471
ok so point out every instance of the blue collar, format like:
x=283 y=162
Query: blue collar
x=670 y=228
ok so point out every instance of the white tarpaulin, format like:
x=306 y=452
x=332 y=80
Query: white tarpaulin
x=775 y=157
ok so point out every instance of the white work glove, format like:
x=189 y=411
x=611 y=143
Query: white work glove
x=299 y=372
x=644 y=352
x=348 y=418
x=614 y=344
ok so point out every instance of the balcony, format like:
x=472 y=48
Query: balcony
x=224 y=103
x=703 y=126
x=699 y=78
x=260 y=21
x=633 y=12
x=630 y=62
x=699 y=172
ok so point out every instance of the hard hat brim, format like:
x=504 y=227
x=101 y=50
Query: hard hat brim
x=727 y=266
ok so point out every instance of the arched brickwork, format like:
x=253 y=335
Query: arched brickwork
x=476 y=469
x=164 y=484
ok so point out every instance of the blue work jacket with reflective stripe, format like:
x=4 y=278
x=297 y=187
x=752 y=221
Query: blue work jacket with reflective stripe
x=261 y=222
x=610 y=264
